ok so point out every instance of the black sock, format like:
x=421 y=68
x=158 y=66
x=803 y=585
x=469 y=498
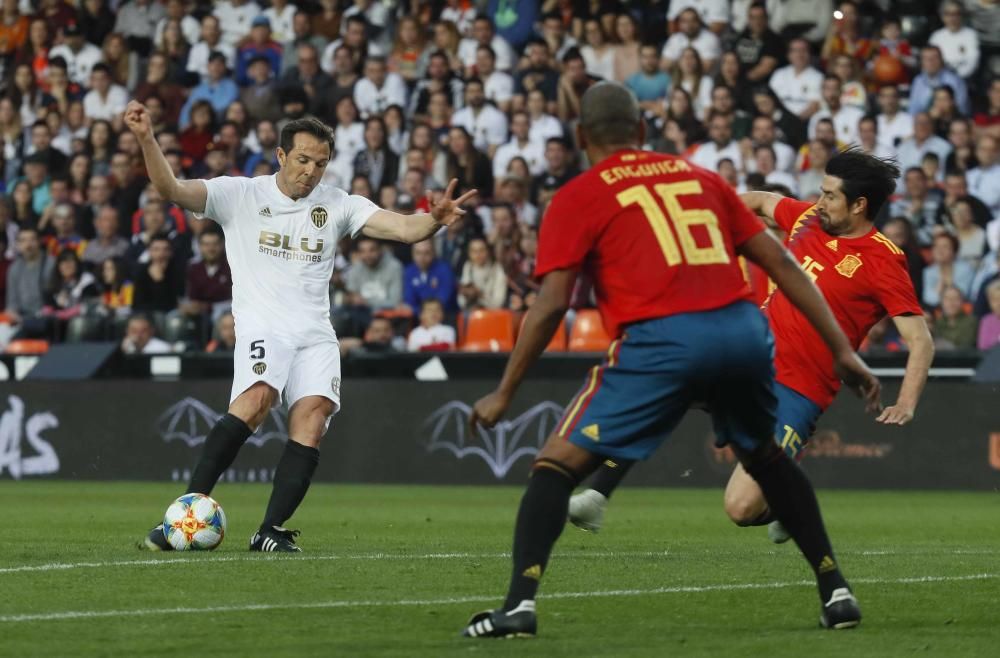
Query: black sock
x=609 y=476
x=221 y=447
x=764 y=518
x=540 y=521
x=790 y=496
x=291 y=481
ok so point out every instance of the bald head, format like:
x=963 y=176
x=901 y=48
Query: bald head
x=610 y=116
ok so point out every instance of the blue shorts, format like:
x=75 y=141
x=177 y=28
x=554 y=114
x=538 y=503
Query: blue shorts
x=658 y=368
x=796 y=420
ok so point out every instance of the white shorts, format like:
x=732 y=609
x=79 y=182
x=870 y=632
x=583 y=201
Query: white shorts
x=295 y=372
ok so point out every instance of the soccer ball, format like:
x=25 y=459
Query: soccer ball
x=194 y=522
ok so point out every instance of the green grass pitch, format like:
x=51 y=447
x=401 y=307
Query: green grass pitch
x=396 y=571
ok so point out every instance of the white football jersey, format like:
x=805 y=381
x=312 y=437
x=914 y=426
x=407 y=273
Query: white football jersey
x=281 y=252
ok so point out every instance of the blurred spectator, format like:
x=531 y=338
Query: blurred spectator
x=984 y=180
x=845 y=36
x=375 y=279
x=544 y=126
x=989 y=273
x=798 y=85
x=225 y=332
x=760 y=50
x=687 y=74
x=378 y=89
x=452 y=244
x=900 y=231
x=486 y=124
x=764 y=133
x=691 y=33
x=512 y=191
x=64 y=236
x=573 y=84
x=267 y=142
x=137 y=20
x=989 y=325
x=559 y=170
x=96 y=20
x=376 y=161
x=303 y=34
x=945 y=270
x=235 y=19
x=22 y=208
x=919 y=204
x=597 y=51
x=956 y=189
x=209 y=280
x=470 y=166
x=196 y=137
x=484 y=34
x=211 y=42
x=483 y=283
x=868 y=139
x=988 y=119
x=313 y=80
x=764 y=159
x=379 y=338
x=25 y=282
x=260 y=94
x=538 y=75
x=942 y=110
x=497 y=85
x=116 y=288
x=649 y=84
x=259 y=45
x=79 y=54
x=174 y=10
x=845 y=117
x=428 y=277
x=61 y=90
x=910 y=151
x=42 y=150
x=521 y=277
x=971 y=238
x=933 y=74
x=68 y=288
x=520 y=145
x=140 y=337
x=963 y=155
x=431 y=334
x=104 y=100
x=894 y=126
x=811 y=179
x=954 y=329
x=157 y=285
x=217 y=89
x=852 y=91
x=720 y=145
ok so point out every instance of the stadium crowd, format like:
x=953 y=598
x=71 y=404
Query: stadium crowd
x=422 y=91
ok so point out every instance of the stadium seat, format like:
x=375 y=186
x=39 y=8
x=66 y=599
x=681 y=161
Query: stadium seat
x=489 y=331
x=85 y=328
x=587 y=333
x=27 y=346
x=558 y=342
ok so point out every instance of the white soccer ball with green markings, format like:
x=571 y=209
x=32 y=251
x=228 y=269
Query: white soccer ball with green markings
x=194 y=522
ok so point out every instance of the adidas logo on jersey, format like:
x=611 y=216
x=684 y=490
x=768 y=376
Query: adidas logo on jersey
x=265 y=211
x=832 y=244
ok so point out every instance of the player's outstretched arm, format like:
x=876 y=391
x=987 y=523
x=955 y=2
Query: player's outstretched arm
x=190 y=195
x=388 y=225
x=540 y=325
x=774 y=259
x=914 y=332
x=762 y=204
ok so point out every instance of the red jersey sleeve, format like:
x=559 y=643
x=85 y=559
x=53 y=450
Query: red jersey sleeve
x=788 y=211
x=742 y=222
x=566 y=235
x=894 y=288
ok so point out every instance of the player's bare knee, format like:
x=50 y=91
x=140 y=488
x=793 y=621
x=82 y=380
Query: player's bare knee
x=252 y=405
x=742 y=510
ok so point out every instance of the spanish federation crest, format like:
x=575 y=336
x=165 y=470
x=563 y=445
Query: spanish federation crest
x=849 y=265
x=318 y=216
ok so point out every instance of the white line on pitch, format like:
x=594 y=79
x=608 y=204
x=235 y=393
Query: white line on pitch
x=256 y=607
x=189 y=559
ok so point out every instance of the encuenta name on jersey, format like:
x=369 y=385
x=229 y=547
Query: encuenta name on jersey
x=279 y=246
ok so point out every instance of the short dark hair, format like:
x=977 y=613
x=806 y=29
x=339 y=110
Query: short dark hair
x=572 y=54
x=864 y=175
x=101 y=67
x=610 y=115
x=308 y=125
x=955 y=244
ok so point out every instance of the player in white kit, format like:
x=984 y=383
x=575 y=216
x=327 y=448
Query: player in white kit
x=281 y=238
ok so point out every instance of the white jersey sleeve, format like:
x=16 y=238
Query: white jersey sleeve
x=225 y=194
x=354 y=213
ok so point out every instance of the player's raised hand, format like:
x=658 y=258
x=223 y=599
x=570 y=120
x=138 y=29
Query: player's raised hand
x=447 y=210
x=859 y=378
x=897 y=414
x=488 y=410
x=137 y=119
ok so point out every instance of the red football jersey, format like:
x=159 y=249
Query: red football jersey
x=863 y=279
x=656 y=234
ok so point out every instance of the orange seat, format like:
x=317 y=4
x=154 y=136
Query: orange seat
x=27 y=346
x=587 y=333
x=489 y=331
x=558 y=342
